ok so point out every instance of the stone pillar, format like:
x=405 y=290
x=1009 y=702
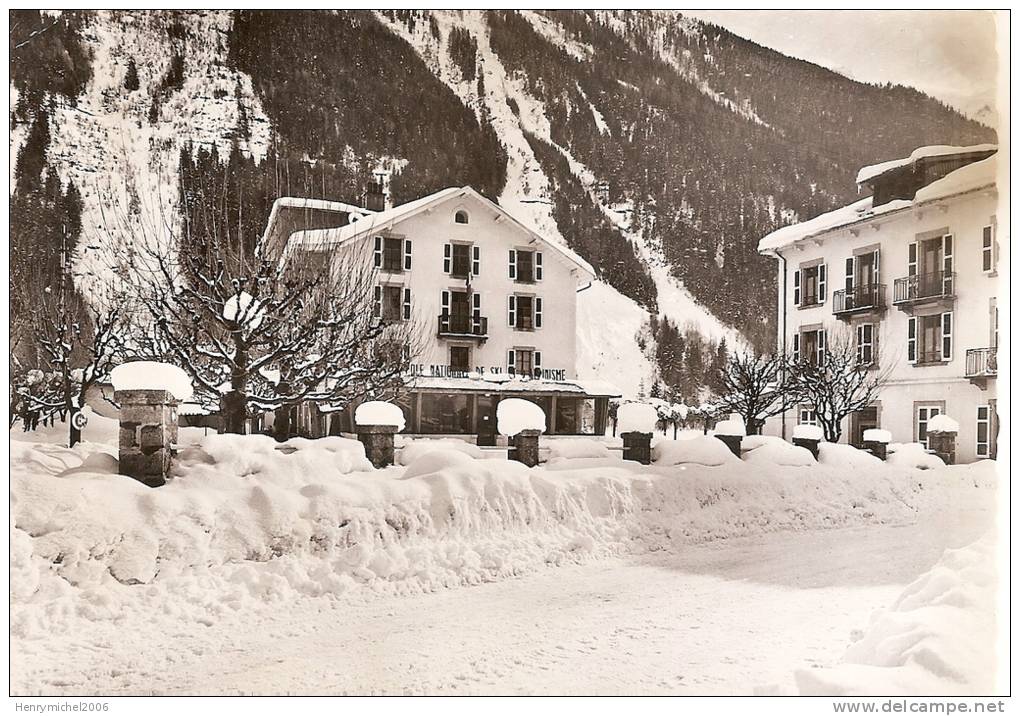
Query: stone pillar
x=378 y=442
x=525 y=450
x=637 y=447
x=811 y=445
x=878 y=449
x=148 y=434
x=732 y=442
x=944 y=445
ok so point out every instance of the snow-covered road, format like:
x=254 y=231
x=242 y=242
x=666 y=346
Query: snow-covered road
x=731 y=617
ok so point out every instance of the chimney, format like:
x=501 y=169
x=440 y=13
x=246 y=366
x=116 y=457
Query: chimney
x=377 y=194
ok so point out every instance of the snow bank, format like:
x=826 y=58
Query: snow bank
x=378 y=412
x=939 y=637
x=943 y=424
x=875 y=435
x=913 y=455
x=808 y=432
x=516 y=414
x=575 y=448
x=768 y=449
x=636 y=418
x=413 y=449
x=698 y=450
x=248 y=523
x=152 y=375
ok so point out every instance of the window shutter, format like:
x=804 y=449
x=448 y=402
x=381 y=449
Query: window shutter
x=538 y=312
x=911 y=340
x=848 y=283
x=446 y=303
x=476 y=255
x=796 y=347
x=407 y=254
x=538 y=265
x=877 y=267
x=407 y=304
x=511 y=361
x=796 y=288
x=821 y=345
x=513 y=264
x=947 y=336
x=378 y=252
x=821 y=283
x=476 y=312
x=947 y=265
x=860 y=343
x=512 y=311
x=538 y=364
x=912 y=259
x=447 y=257
x=377 y=303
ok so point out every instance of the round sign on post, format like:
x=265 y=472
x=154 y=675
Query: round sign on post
x=79 y=421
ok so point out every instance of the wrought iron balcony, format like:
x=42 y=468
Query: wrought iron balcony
x=924 y=288
x=463 y=327
x=859 y=299
x=982 y=363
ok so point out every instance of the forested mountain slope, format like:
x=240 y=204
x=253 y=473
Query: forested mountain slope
x=658 y=147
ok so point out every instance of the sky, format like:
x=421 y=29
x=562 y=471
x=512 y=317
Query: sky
x=948 y=54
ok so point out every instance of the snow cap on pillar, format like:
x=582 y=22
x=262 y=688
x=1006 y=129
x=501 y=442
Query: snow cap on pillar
x=152 y=375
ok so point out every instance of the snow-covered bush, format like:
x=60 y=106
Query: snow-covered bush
x=699 y=450
x=846 y=456
x=913 y=455
x=768 y=449
x=637 y=418
x=378 y=412
x=435 y=461
x=152 y=375
x=943 y=424
x=413 y=449
x=516 y=414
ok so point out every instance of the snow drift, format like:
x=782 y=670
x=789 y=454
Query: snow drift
x=248 y=521
x=937 y=638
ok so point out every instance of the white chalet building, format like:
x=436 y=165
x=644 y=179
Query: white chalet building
x=911 y=274
x=496 y=302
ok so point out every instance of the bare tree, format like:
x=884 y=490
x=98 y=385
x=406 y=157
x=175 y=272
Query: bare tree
x=66 y=345
x=757 y=387
x=838 y=382
x=258 y=332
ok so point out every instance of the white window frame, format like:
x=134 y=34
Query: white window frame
x=866 y=342
x=807 y=415
x=927 y=408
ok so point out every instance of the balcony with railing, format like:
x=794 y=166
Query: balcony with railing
x=476 y=327
x=938 y=288
x=982 y=364
x=869 y=298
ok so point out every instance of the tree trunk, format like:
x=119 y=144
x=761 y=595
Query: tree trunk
x=281 y=424
x=235 y=403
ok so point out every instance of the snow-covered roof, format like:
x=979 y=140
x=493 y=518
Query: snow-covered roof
x=939 y=150
x=296 y=202
x=972 y=177
x=384 y=220
x=512 y=384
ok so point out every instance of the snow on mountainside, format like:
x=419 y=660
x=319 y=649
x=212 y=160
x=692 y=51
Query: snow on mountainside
x=105 y=143
x=610 y=354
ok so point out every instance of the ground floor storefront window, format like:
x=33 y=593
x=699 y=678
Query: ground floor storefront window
x=446 y=413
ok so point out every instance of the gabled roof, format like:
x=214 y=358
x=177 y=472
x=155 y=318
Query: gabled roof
x=385 y=220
